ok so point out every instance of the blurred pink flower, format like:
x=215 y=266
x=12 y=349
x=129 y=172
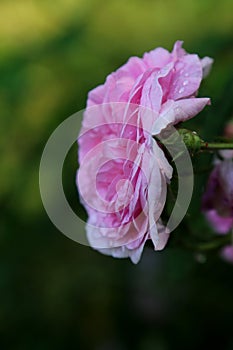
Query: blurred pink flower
x=217 y=201
x=227 y=253
x=165 y=82
x=228 y=131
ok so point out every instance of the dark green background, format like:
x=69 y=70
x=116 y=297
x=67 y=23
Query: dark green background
x=54 y=293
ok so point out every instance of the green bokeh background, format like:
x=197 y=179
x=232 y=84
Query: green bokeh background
x=54 y=293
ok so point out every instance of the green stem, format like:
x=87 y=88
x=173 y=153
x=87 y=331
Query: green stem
x=206 y=146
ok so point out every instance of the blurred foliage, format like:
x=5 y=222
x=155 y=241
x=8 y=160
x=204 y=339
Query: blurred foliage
x=54 y=292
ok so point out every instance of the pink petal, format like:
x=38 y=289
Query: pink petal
x=134 y=253
x=156 y=58
x=206 y=63
x=163 y=235
x=186 y=77
x=174 y=112
x=96 y=96
x=178 y=51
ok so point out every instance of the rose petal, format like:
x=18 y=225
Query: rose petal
x=174 y=112
x=206 y=63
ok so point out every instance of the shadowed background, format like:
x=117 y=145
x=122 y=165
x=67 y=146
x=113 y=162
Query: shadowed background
x=54 y=293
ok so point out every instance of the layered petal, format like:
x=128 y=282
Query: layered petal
x=174 y=112
x=123 y=173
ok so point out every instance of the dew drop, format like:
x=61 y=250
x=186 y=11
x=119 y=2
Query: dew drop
x=181 y=90
x=185 y=82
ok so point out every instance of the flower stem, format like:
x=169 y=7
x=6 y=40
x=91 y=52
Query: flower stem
x=195 y=144
x=206 y=146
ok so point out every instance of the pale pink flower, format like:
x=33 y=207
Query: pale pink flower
x=123 y=173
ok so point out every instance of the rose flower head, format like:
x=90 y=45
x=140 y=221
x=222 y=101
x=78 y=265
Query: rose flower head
x=123 y=174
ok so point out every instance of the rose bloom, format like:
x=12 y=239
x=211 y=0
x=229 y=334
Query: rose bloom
x=123 y=174
x=217 y=201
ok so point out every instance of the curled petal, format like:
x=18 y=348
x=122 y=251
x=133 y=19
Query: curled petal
x=174 y=112
x=206 y=63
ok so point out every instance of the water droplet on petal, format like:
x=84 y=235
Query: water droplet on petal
x=181 y=90
x=185 y=82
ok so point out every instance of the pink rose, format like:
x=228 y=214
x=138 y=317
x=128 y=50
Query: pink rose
x=122 y=181
x=123 y=173
x=165 y=82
